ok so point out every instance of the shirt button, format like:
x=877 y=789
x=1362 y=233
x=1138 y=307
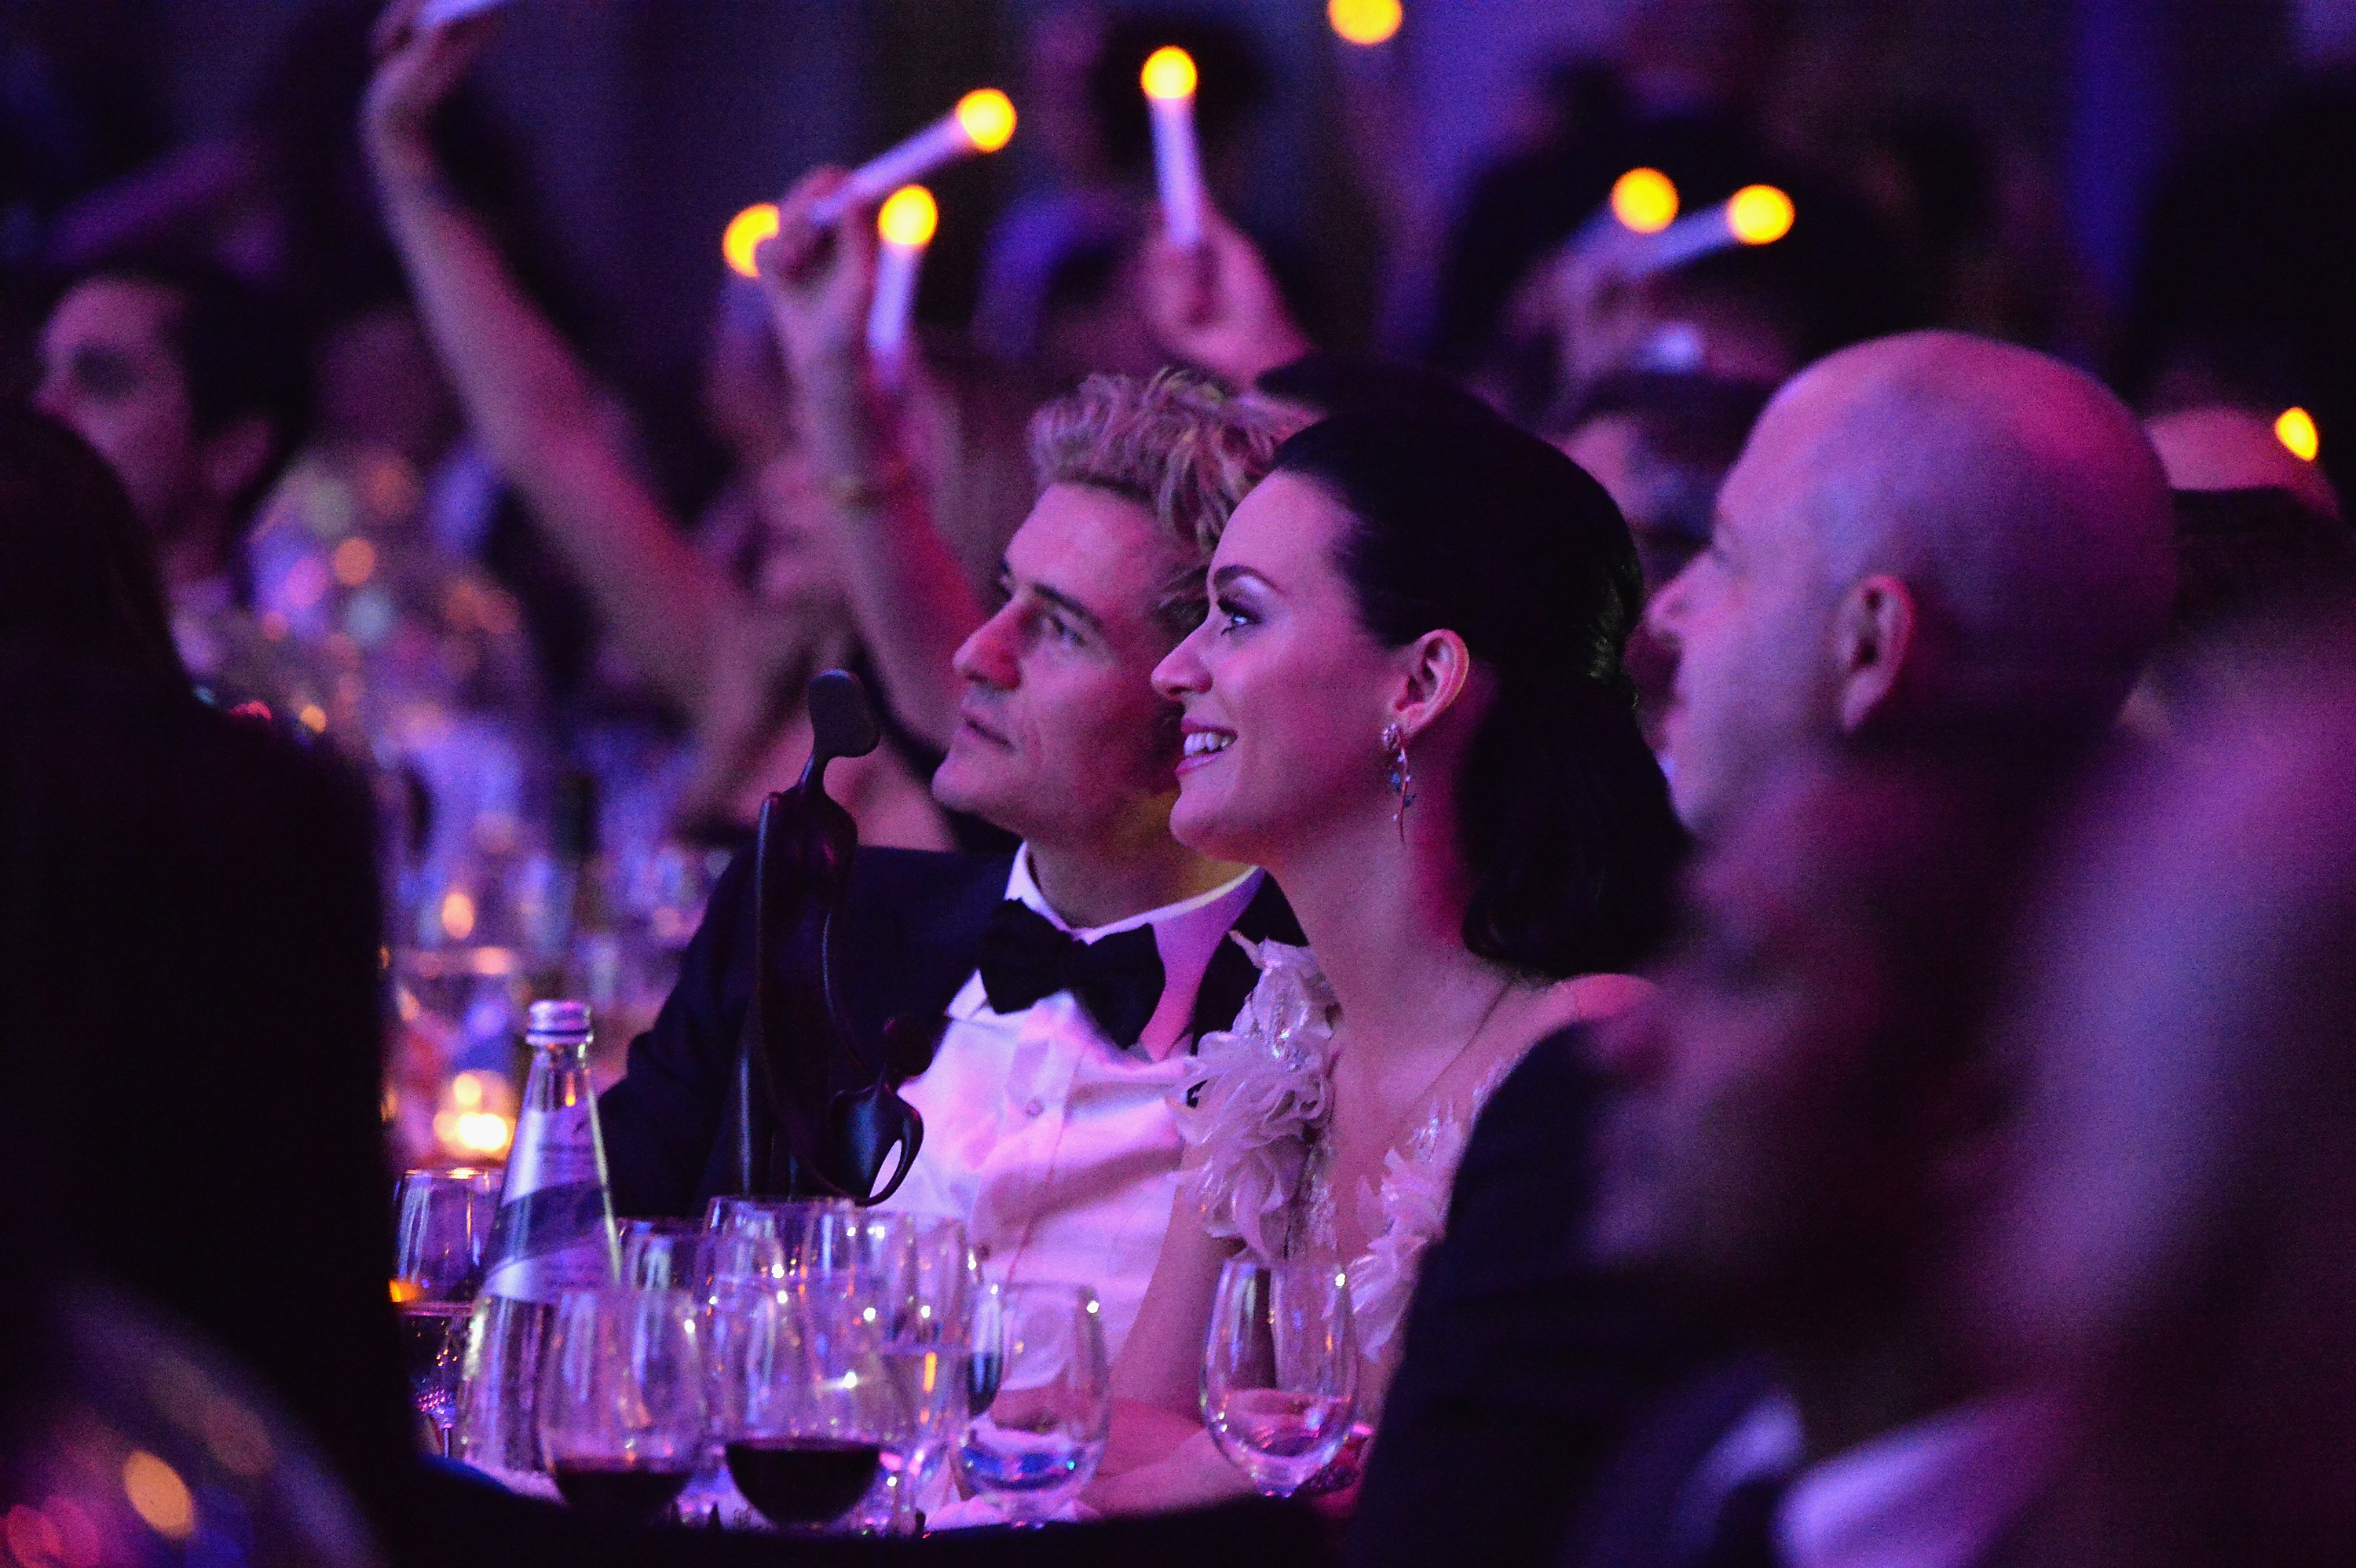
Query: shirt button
x=1032 y=1108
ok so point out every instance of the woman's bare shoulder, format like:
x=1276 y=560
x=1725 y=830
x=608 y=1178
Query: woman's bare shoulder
x=1589 y=998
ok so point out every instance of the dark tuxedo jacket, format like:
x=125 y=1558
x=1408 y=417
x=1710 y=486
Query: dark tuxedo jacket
x=907 y=940
x=1523 y=1365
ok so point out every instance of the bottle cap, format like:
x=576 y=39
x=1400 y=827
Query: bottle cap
x=557 y=1020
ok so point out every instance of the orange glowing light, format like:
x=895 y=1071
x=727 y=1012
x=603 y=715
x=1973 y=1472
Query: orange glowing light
x=908 y=218
x=1169 y=73
x=467 y=1092
x=484 y=1132
x=2296 y=430
x=354 y=562
x=404 y=1290
x=744 y=234
x=1368 y=22
x=314 y=718
x=987 y=116
x=158 y=1495
x=457 y=915
x=1644 y=200
x=1759 y=214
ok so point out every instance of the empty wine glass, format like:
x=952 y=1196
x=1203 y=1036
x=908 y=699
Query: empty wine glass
x=1042 y=1396
x=621 y=1400
x=925 y=1284
x=442 y=1219
x=666 y=1254
x=815 y=1410
x=1279 y=1371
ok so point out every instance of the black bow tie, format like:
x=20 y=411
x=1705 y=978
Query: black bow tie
x=1117 y=978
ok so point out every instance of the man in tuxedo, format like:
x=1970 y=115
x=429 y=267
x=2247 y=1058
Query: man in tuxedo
x=1930 y=541
x=1073 y=979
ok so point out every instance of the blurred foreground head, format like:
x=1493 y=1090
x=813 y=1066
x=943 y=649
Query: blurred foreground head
x=2180 y=1241
x=1800 y=1121
x=1928 y=539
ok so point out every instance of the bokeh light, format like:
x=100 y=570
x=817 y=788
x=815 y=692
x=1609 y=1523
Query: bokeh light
x=1644 y=200
x=1169 y=73
x=987 y=116
x=744 y=234
x=908 y=216
x=1759 y=214
x=2296 y=430
x=1368 y=22
x=457 y=915
x=158 y=1495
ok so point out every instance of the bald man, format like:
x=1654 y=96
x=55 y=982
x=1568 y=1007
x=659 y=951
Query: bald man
x=1929 y=539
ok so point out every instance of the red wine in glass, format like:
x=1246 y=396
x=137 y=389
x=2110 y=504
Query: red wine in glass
x=803 y=1481
x=623 y=1494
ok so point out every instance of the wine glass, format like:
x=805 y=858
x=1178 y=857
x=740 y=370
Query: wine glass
x=442 y=1219
x=666 y=1254
x=621 y=1400
x=926 y=1281
x=1279 y=1371
x=1038 y=1437
x=814 y=1410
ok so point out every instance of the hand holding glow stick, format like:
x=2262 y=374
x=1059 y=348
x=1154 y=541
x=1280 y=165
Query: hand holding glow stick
x=907 y=224
x=982 y=121
x=1168 y=79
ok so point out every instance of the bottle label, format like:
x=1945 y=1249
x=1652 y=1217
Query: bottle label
x=553 y=1232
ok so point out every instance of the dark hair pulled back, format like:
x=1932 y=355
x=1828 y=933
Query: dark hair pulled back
x=1466 y=523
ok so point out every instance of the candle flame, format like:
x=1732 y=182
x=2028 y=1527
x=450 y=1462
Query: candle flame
x=744 y=236
x=1169 y=73
x=987 y=116
x=908 y=218
x=1644 y=200
x=1759 y=214
x=2296 y=430
x=1366 y=22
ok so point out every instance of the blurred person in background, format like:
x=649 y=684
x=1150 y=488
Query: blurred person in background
x=735 y=664
x=2173 y=1253
x=1662 y=444
x=196 y=388
x=1803 y=1133
x=1930 y=543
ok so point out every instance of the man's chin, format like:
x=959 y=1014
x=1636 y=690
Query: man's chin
x=964 y=783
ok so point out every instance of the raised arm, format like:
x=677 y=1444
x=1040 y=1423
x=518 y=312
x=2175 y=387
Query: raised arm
x=525 y=393
x=1216 y=307
x=908 y=595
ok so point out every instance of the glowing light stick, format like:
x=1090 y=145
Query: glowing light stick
x=1755 y=215
x=1644 y=200
x=982 y=121
x=1363 y=22
x=907 y=224
x=744 y=236
x=437 y=12
x=2296 y=430
x=1168 y=79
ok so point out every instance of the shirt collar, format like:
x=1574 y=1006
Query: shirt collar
x=1939 y=1493
x=1187 y=933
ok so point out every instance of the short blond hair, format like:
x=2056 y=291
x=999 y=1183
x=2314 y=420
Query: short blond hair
x=1180 y=446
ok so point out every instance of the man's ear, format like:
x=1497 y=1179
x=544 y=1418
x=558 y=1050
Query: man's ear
x=235 y=456
x=1873 y=632
x=1438 y=667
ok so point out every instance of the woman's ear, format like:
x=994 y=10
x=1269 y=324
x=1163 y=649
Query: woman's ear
x=1436 y=666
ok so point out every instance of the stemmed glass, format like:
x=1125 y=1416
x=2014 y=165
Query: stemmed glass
x=1279 y=1371
x=621 y=1400
x=442 y=1219
x=926 y=1284
x=668 y=1253
x=813 y=1409
x=1042 y=1396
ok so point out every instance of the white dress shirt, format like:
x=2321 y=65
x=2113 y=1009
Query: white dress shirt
x=1938 y=1494
x=1055 y=1146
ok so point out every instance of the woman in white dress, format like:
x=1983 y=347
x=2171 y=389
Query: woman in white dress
x=1407 y=704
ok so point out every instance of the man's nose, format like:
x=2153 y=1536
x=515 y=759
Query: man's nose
x=987 y=656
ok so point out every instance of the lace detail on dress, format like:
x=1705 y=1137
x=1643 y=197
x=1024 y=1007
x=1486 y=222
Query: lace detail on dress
x=1257 y=1101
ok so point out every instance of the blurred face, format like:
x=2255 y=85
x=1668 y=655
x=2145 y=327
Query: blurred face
x=109 y=373
x=1749 y=621
x=1740 y=1156
x=1284 y=691
x=1061 y=738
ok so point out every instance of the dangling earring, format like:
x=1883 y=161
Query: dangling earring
x=1402 y=781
